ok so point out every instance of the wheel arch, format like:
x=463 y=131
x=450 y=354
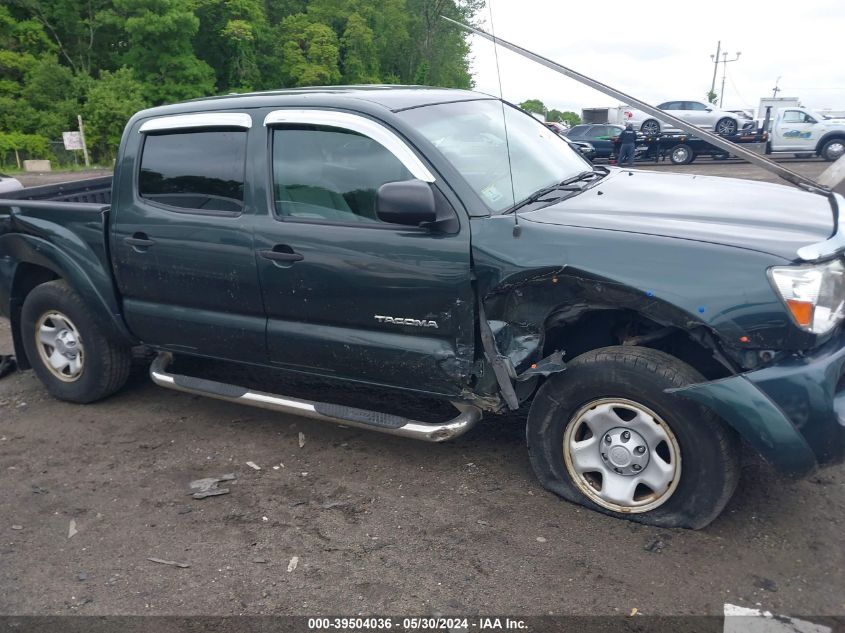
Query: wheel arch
x=595 y=326
x=37 y=262
x=836 y=134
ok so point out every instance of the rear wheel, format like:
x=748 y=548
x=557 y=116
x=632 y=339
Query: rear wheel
x=726 y=127
x=605 y=434
x=651 y=127
x=834 y=149
x=681 y=154
x=68 y=349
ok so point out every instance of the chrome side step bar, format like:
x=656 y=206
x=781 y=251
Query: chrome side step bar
x=339 y=414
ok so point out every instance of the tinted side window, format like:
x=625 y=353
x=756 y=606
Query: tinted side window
x=577 y=130
x=194 y=170
x=694 y=105
x=330 y=174
x=598 y=131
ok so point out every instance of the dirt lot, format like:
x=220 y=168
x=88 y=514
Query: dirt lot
x=379 y=524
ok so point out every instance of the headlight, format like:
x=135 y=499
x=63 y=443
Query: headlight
x=815 y=295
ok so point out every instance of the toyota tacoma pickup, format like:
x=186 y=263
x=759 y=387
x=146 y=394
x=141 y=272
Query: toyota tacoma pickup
x=407 y=239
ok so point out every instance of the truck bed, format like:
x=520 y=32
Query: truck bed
x=91 y=191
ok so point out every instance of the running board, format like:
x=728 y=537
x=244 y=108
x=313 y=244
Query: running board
x=339 y=414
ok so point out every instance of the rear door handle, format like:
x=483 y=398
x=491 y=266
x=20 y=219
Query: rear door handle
x=139 y=240
x=281 y=256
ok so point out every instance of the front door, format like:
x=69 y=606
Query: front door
x=346 y=294
x=183 y=251
x=796 y=130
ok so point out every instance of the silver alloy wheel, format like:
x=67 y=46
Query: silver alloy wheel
x=60 y=346
x=726 y=126
x=650 y=127
x=622 y=455
x=835 y=150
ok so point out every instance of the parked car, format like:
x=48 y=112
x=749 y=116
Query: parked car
x=587 y=150
x=7 y=183
x=698 y=113
x=600 y=136
x=651 y=320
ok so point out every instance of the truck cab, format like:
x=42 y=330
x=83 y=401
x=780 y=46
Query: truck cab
x=800 y=130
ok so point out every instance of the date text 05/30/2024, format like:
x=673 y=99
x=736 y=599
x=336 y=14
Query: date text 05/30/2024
x=416 y=624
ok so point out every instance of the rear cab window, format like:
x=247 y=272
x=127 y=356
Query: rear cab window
x=199 y=170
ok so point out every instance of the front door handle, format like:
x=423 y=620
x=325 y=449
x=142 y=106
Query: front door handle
x=139 y=241
x=281 y=256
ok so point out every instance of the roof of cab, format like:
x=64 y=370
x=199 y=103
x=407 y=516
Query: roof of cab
x=391 y=97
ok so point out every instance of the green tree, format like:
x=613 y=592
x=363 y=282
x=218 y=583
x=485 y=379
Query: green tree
x=567 y=116
x=310 y=52
x=534 y=105
x=358 y=52
x=111 y=101
x=442 y=46
x=228 y=40
x=84 y=40
x=159 y=49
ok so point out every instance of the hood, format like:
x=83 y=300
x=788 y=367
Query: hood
x=760 y=216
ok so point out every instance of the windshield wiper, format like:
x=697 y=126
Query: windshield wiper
x=587 y=175
x=565 y=185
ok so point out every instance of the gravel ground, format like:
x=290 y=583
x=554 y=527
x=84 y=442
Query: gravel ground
x=376 y=524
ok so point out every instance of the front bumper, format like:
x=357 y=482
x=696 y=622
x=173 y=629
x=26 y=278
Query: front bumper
x=792 y=412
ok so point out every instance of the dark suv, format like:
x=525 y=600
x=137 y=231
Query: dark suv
x=600 y=135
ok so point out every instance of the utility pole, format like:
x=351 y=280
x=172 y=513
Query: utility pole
x=715 y=59
x=776 y=90
x=725 y=62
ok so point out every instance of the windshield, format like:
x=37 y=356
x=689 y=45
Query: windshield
x=471 y=136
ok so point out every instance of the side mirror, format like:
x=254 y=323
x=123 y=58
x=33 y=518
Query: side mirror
x=708 y=109
x=408 y=202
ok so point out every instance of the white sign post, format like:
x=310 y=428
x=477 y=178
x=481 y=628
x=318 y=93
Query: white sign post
x=76 y=141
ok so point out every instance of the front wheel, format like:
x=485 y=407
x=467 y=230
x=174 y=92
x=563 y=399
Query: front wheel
x=604 y=434
x=68 y=349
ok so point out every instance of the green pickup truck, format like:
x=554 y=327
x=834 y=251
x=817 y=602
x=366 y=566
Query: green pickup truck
x=445 y=243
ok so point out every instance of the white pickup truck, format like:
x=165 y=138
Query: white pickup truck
x=802 y=131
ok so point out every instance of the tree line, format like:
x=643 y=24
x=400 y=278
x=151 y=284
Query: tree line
x=107 y=59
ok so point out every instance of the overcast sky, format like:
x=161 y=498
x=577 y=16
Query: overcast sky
x=659 y=51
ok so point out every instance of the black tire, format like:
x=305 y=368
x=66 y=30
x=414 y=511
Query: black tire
x=726 y=127
x=709 y=450
x=681 y=154
x=833 y=149
x=105 y=364
x=650 y=127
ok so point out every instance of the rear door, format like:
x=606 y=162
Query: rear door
x=675 y=108
x=181 y=243
x=346 y=294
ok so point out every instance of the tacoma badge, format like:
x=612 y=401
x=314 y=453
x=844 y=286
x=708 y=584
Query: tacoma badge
x=406 y=321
